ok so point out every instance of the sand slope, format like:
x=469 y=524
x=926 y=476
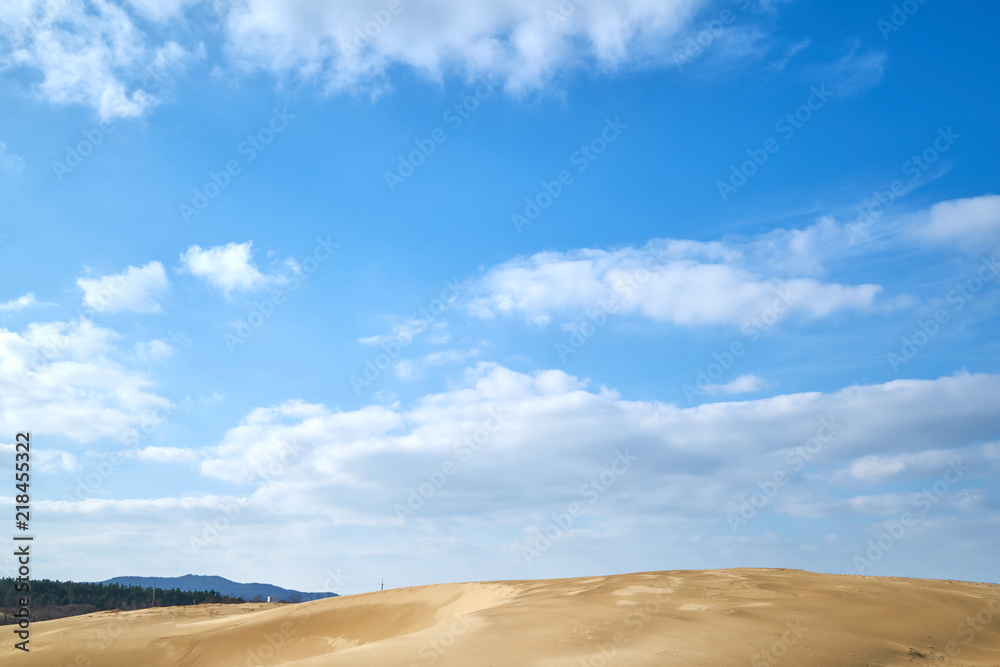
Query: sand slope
x=716 y=617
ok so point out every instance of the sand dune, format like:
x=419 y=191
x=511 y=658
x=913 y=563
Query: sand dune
x=717 y=617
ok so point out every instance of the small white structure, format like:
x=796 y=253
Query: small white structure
x=268 y=598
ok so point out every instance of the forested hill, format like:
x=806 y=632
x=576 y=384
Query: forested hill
x=58 y=599
x=250 y=592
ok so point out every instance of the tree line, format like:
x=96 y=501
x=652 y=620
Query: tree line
x=59 y=599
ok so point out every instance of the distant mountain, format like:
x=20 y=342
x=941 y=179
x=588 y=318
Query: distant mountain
x=195 y=582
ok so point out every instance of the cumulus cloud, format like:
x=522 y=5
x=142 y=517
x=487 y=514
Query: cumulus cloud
x=525 y=44
x=503 y=428
x=486 y=462
x=98 y=54
x=134 y=290
x=683 y=282
x=968 y=223
x=63 y=379
x=88 y=53
x=229 y=268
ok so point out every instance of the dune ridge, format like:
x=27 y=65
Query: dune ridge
x=757 y=617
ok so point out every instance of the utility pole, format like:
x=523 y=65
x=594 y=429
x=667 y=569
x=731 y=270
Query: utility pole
x=383 y=584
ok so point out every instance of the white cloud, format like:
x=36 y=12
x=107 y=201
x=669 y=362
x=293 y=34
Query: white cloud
x=9 y=162
x=153 y=351
x=50 y=461
x=878 y=467
x=270 y=436
x=19 y=303
x=88 y=53
x=164 y=455
x=744 y=384
x=62 y=378
x=134 y=290
x=158 y=506
x=521 y=445
x=411 y=369
x=683 y=282
x=94 y=53
x=55 y=461
x=969 y=223
x=501 y=427
x=403 y=333
x=854 y=72
x=522 y=43
x=790 y=53
x=229 y=268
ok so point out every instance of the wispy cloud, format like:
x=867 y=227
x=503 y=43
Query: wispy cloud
x=411 y=369
x=854 y=72
x=744 y=384
x=19 y=303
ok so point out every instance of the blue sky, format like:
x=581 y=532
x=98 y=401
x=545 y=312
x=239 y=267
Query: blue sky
x=504 y=290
